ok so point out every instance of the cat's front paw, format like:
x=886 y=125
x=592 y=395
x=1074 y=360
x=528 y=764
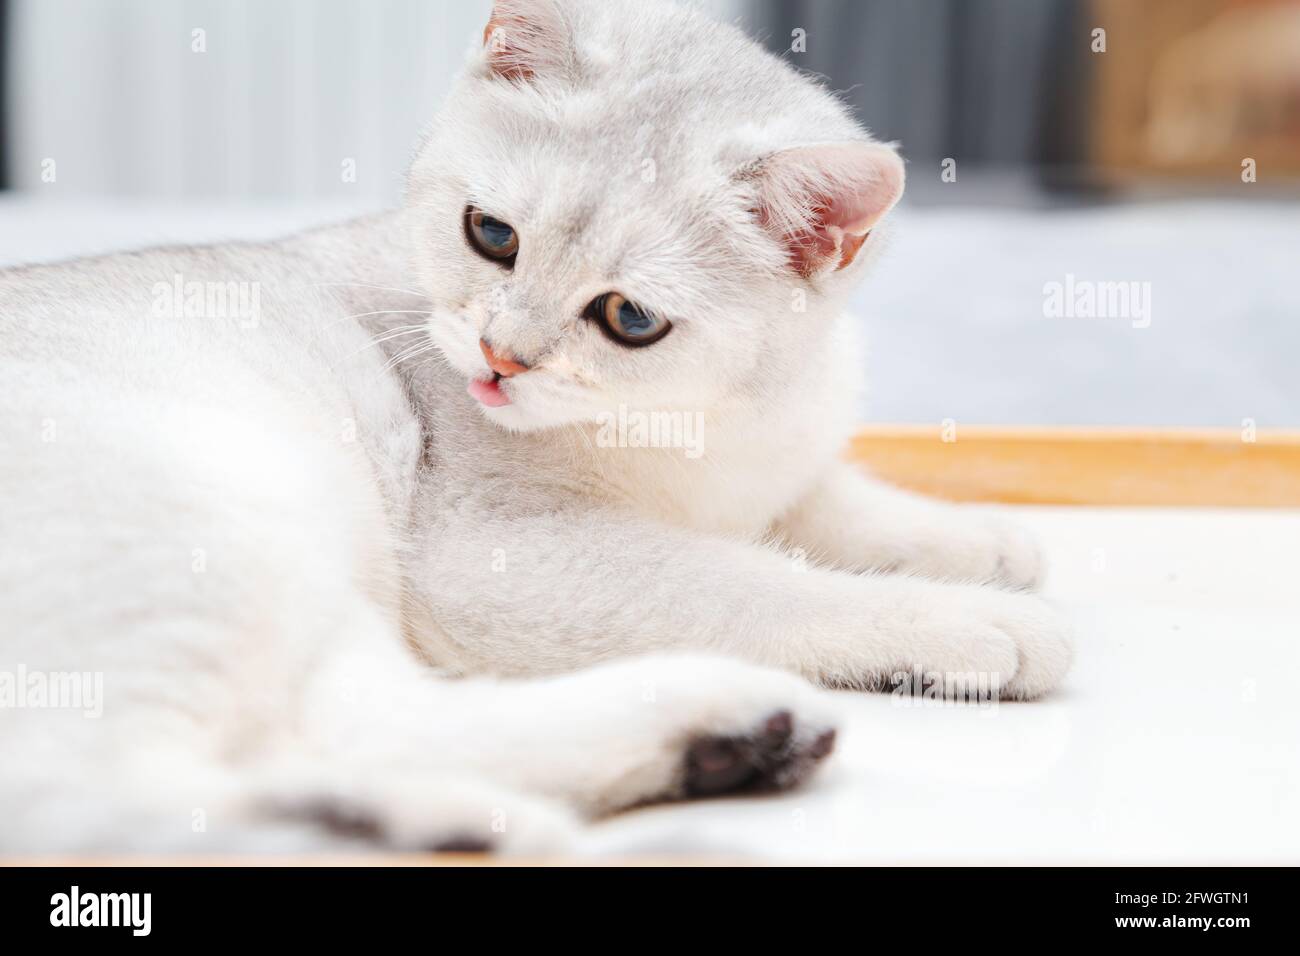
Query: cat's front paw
x=986 y=640
x=967 y=641
x=1043 y=640
x=1018 y=559
x=970 y=544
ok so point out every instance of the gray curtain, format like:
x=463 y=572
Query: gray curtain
x=986 y=81
x=4 y=95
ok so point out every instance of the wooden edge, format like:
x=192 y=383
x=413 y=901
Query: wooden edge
x=486 y=860
x=1238 y=468
x=373 y=861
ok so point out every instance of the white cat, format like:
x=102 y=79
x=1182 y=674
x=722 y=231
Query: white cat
x=277 y=531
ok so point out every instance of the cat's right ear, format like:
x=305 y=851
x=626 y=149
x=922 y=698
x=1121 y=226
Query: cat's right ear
x=524 y=38
x=822 y=201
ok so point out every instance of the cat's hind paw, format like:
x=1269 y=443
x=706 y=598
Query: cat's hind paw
x=772 y=757
x=683 y=727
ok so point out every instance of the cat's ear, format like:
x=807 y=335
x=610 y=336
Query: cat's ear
x=524 y=38
x=822 y=201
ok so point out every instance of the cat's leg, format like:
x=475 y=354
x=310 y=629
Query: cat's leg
x=854 y=522
x=167 y=793
x=360 y=808
x=252 y=743
x=617 y=735
x=646 y=729
x=190 y=619
x=551 y=592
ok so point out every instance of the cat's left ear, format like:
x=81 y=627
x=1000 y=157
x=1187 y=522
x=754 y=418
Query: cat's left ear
x=524 y=38
x=822 y=201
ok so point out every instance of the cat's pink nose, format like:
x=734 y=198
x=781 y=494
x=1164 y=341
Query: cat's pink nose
x=504 y=365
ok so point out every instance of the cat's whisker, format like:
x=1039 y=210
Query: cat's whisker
x=385 y=336
x=403 y=359
x=410 y=353
x=362 y=285
x=401 y=353
x=362 y=315
x=437 y=356
x=400 y=330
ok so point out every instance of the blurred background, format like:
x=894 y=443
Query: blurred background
x=1102 y=223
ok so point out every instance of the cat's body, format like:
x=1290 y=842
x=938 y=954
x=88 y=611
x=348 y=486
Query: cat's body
x=267 y=532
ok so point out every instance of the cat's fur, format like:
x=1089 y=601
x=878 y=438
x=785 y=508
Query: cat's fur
x=277 y=540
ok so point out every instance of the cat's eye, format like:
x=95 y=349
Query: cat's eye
x=626 y=322
x=491 y=238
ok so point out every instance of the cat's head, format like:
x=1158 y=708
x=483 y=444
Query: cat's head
x=626 y=203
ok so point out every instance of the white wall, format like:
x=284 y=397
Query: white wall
x=287 y=90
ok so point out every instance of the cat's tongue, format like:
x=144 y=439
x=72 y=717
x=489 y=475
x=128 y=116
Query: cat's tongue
x=489 y=392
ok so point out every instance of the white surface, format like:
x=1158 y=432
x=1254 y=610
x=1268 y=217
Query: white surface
x=1173 y=740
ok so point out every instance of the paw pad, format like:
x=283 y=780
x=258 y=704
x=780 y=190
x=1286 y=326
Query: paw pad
x=773 y=757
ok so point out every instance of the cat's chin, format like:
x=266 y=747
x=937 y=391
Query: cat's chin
x=508 y=417
x=518 y=418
